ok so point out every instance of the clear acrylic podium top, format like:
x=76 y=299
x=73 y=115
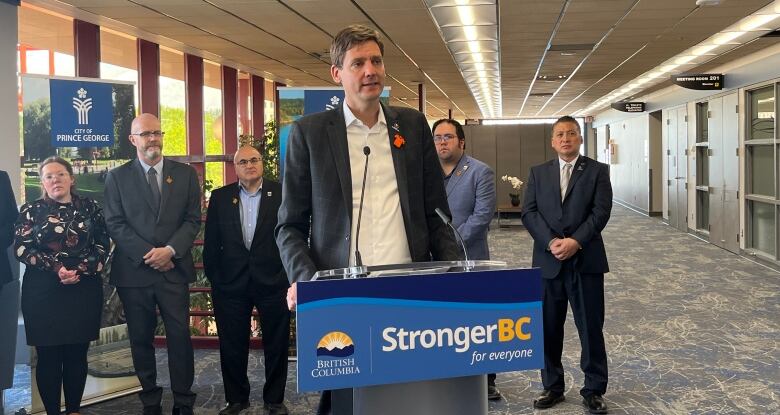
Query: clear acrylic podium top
x=414 y=268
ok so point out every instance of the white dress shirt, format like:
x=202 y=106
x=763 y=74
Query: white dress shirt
x=382 y=232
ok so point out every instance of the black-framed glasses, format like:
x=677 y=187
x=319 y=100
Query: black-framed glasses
x=245 y=162
x=442 y=138
x=150 y=134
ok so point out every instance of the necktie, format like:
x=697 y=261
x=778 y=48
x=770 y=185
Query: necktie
x=565 y=176
x=151 y=176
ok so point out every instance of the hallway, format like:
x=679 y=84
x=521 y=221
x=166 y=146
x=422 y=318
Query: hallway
x=690 y=329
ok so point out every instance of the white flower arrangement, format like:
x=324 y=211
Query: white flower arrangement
x=516 y=183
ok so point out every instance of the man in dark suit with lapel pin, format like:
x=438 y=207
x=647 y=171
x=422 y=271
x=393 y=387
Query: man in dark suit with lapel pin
x=323 y=175
x=471 y=195
x=243 y=265
x=152 y=209
x=567 y=204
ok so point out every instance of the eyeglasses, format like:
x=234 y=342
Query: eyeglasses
x=149 y=134
x=52 y=177
x=244 y=162
x=442 y=138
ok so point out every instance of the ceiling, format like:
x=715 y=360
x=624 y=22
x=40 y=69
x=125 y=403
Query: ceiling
x=596 y=45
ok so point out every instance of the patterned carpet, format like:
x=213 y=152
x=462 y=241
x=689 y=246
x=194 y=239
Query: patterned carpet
x=690 y=329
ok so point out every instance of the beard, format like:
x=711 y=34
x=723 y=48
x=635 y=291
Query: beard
x=152 y=152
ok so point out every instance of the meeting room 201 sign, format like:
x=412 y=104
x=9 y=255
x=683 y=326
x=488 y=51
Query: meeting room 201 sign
x=81 y=113
x=701 y=82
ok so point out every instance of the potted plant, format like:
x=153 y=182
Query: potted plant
x=517 y=184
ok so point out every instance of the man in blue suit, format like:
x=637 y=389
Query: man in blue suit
x=471 y=195
x=567 y=204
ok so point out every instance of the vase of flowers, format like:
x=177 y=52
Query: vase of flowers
x=517 y=184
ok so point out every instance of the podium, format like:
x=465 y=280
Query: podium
x=416 y=338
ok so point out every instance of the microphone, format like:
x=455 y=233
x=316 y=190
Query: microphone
x=358 y=259
x=448 y=222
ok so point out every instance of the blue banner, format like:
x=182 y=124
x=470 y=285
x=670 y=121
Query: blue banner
x=81 y=113
x=318 y=100
x=375 y=331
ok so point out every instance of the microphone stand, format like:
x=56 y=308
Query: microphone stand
x=358 y=258
x=447 y=221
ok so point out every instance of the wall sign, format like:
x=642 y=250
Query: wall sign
x=629 y=106
x=702 y=82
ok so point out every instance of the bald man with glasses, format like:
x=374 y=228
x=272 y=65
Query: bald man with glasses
x=152 y=210
x=243 y=265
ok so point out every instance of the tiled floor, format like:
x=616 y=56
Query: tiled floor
x=691 y=329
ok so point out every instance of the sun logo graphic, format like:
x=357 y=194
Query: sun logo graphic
x=82 y=105
x=336 y=344
x=334 y=102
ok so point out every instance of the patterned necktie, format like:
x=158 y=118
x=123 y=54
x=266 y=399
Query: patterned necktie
x=565 y=176
x=151 y=176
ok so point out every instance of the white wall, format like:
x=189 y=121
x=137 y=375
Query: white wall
x=629 y=170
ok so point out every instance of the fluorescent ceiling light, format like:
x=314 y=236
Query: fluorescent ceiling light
x=470 y=32
x=466 y=15
x=726 y=37
x=757 y=21
x=474 y=47
x=477 y=57
x=479 y=66
x=703 y=49
x=682 y=60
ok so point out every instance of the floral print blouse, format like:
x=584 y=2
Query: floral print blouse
x=49 y=235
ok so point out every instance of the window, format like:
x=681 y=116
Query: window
x=761 y=169
x=45 y=42
x=212 y=120
x=172 y=101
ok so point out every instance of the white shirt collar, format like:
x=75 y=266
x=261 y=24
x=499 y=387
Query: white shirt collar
x=350 y=118
x=573 y=163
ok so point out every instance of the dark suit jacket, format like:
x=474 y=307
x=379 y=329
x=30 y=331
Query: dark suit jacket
x=582 y=216
x=471 y=194
x=229 y=265
x=135 y=229
x=316 y=213
x=8 y=215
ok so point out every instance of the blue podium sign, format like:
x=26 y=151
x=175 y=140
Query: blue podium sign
x=82 y=113
x=374 y=331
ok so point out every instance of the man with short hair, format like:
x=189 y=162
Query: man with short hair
x=323 y=176
x=471 y=195
x=242 y=263
x=567 y=204
x=152 y=210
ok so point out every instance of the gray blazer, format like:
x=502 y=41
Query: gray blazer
x=471 y=194
x=135 y=230
x=316 y=212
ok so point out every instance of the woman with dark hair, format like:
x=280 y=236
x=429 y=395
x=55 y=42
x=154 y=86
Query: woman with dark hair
x=63 y=241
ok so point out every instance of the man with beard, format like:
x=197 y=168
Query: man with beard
x=152 y=210
x=471 y=195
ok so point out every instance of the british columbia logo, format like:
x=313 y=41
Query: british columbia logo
x=82 y=105
x=334 y=356
x=334 y=102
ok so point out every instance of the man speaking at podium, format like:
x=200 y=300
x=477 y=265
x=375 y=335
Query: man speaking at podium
x=328 y=156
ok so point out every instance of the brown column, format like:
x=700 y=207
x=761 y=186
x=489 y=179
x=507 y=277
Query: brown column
x=229 y=118
x=86 y=46
x=258 y=105
x=193 y=86
x=148 y=77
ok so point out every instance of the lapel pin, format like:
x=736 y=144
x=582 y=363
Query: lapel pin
x=396 y=127
x=399 y=141
x=466 y=167
x=269 y=194
x=235 y=201
x=580 y=167
x=169 y=180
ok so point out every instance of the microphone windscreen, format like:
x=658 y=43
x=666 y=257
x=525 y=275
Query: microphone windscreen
x=443 y=216
x=366 y=150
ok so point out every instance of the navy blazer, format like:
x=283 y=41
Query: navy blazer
x=471 y=194
x=229 y=265
x=583 y=214
x=315 y=217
